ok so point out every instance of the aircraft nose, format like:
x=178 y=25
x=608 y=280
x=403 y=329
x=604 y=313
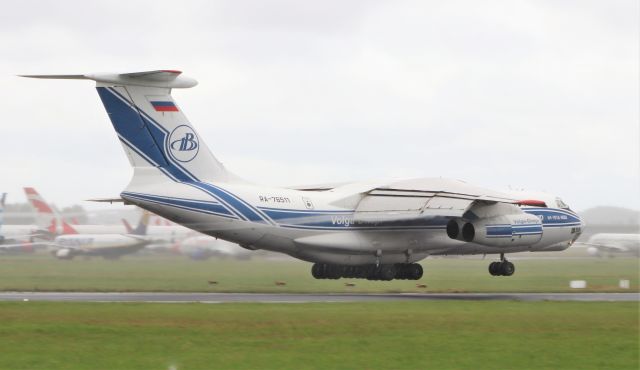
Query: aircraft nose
x=579 y=230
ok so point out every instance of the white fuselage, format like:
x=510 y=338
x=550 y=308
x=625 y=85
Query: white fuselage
x=328 y=226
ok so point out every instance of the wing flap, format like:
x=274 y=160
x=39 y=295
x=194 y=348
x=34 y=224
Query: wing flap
x=424 y=199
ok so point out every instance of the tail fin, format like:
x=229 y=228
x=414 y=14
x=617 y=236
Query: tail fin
x=68 y=229
x=141 y=229
x=63 y=229
x=45 y=215
x=152 y=127
x=48 y=217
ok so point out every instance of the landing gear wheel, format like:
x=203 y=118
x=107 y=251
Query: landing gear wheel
x=494 y=268
x=502 y=268
x=386 y=272
x=414 y=271
x=317 y=271
x=507 y=268
x=333 y=272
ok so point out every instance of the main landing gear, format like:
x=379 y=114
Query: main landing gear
x=404 y=271
x=502 y=268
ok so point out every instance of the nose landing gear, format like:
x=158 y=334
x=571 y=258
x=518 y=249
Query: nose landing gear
x=502 y=268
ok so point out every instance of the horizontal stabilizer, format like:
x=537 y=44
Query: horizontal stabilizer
x=58 y=77
x=107 y=200
x=165 y=78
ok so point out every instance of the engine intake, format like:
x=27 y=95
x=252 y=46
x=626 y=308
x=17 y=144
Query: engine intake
x=453 y=230
x=468 y=232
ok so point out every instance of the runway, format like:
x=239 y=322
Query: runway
x=310 y=298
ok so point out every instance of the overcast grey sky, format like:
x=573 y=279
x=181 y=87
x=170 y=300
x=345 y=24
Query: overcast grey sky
x=541 y=95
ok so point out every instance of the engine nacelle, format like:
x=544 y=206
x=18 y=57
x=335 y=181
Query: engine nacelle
x=64 y=254
x=513 y=230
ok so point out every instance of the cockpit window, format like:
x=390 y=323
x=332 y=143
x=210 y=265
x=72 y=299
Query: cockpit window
x=561 y=204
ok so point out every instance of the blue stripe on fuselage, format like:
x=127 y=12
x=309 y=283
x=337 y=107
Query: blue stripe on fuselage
x=129 y=125
x=499 y=230
x=318 y=221
x=551 y=217
x=192 y=205
x=130 y=122
x=151 y=141
x=236 y=202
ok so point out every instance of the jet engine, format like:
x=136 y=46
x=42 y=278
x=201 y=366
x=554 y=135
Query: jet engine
x=454 y=228
x=64 y=254
x=513 y=230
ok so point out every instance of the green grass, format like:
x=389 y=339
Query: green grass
x=389 y=335
x=159 y=273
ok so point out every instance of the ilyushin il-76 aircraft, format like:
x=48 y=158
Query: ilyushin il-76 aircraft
x=373 y=230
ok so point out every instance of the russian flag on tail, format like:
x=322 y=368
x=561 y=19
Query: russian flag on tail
x=164 y=106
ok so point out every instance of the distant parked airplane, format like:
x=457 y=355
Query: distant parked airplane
x=374 y=230
x=51 y=220
x=110 y=246
x=605 y=244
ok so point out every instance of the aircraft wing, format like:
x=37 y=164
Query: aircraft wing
x=141 y=238
x=403 y=202
x=422 y=199
x=40 y=235
x=21 y=246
